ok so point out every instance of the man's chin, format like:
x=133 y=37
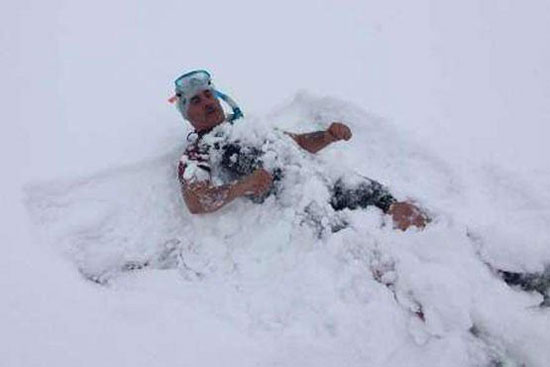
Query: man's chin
x=214 y=119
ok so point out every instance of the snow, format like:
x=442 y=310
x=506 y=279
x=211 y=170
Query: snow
x=460 y=124
x=277 y=271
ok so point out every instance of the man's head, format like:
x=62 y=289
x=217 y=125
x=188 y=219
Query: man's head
x=197 y=100
x=205 y=110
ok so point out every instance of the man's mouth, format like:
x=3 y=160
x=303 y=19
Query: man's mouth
x=211 y=111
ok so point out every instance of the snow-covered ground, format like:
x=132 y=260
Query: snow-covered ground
x=277 y=271
x=461 y=104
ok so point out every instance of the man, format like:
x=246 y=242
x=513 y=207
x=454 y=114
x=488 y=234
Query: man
x=199 y=103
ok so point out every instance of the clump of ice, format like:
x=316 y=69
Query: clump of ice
x=366 y=295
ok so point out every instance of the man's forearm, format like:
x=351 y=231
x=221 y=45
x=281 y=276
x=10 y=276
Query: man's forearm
x=313 y=142
x=211 y=198
x=205 y=198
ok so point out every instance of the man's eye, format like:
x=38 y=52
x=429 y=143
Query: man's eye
x=208 y=94
x=195 y=100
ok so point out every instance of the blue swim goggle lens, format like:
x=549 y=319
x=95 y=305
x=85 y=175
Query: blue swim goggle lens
x=193 y=79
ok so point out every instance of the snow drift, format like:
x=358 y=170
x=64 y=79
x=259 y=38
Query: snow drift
x=365 y=295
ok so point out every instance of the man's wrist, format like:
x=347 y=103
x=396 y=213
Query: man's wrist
x=236 y=189
x=329 y=138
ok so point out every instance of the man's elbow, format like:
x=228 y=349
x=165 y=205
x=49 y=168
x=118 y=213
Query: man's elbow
x=193 y=204
x=195 y=207
x=195 y=210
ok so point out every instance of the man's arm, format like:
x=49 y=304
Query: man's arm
x=315 y=141
x=202 y=197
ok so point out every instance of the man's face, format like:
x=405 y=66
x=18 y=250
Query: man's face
x=205 y=111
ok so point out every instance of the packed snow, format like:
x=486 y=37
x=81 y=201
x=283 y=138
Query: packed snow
x=367 y=294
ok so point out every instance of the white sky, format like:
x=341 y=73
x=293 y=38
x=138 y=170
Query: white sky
x=89 y=80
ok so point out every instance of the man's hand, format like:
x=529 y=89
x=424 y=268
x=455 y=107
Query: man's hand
x=405 y=214
x=257 y=183
x=338 y=131
x=317 y=140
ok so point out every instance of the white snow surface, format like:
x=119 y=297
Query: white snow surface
x=306 y=296
x=449 y=103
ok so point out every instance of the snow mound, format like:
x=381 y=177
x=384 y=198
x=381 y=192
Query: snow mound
x=365 y=295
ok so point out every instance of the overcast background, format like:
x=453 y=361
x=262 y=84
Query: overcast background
x=470 y=77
